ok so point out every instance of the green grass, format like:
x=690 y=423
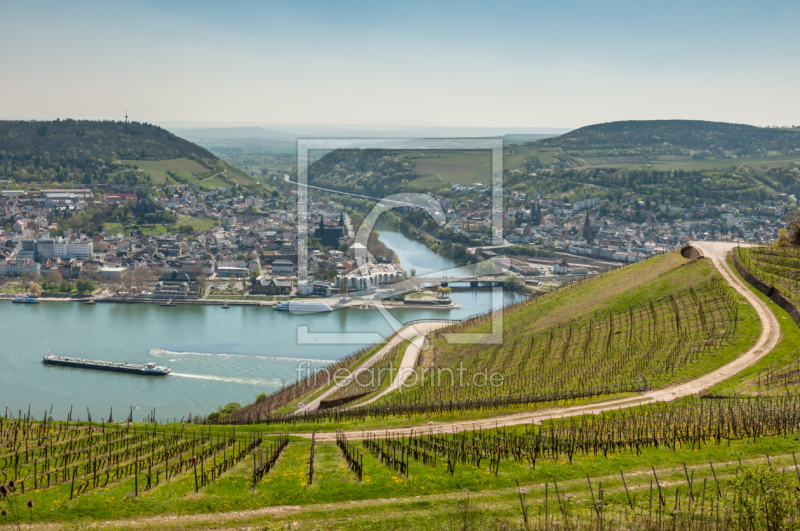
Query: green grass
x=197 y=223
x=444 y=168
x=425 y=489
x=187 y=169
x=114 y=227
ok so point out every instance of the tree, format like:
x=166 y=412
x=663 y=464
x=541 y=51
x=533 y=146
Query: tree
x=512 y=283
x=85 y=286
x=254 y=274
x=202 y=282
x=794 y=229
x=344 y=247
x=783 y=238
x=413 y=272
x=35 y=289
x=53 y=278
x=244 y=281
x=65 y=287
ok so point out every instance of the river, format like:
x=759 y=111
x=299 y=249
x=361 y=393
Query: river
x=216 y=355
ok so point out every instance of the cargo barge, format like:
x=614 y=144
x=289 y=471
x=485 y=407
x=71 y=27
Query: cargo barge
x=150 y=369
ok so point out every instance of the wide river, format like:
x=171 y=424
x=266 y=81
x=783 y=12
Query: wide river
x=216 y=355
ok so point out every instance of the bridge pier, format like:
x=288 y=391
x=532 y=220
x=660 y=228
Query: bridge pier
x=473 y=283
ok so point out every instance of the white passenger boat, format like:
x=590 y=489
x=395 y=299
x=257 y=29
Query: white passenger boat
x=302 y=307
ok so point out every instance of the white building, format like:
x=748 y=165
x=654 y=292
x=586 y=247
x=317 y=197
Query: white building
x=282 y=267
x=370 y=276
x=58 y=248
x=586 y=203
x=358 y=250
x=112 y=272
x=14 y=268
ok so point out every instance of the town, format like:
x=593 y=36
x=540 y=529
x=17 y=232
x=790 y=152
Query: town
x=248 y=248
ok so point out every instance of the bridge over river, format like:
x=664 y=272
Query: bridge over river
x=475 y=281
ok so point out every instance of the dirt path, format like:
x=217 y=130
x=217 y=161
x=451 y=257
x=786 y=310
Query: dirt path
x=770 y=335
x=408 y=332
x=405 y=370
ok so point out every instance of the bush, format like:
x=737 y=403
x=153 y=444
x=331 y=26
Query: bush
x=764 y=498
x=261 y=397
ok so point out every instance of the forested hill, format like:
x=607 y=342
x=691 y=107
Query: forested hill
x=76 y=150
x=717 y=139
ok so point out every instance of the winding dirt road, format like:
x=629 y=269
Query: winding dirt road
x=770 y=335
x=409 y=332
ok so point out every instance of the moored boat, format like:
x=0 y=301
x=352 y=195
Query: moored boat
x=302 y=307
x=25 y=300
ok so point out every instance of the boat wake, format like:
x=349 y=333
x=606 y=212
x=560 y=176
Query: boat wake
x=231 y=379
x=172 y=354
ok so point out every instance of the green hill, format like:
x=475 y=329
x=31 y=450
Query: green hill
x=95 y=152
x=703 y=139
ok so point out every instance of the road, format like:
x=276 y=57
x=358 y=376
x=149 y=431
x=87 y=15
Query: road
x=288 y=180
x=409 y=332
x=769 y=337
x=406 y=367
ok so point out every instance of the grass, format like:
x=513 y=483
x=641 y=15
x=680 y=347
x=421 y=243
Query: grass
x=113 y=227
x=336 y=493
x=197 y=223
x=186 y=169
x=437 y=168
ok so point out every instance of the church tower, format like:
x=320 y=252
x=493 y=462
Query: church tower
x=587 y=229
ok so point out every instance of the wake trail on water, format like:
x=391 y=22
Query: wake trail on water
x=226 y=379
x=163 y=353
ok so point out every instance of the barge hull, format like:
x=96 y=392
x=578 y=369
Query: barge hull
x=98 y=367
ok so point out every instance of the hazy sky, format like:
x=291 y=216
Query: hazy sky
x=556 y=63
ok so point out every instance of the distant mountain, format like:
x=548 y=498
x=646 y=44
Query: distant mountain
x=207 y=133
x=717 y=139
x=87 y=151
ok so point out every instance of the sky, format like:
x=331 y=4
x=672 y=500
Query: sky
x=559 y=64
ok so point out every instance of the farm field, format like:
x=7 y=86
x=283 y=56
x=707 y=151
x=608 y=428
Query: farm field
x=776 y=267
x=671 y=164
x=137 y=471
x=437 y=168
x=187 y=171
x=650 y=325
